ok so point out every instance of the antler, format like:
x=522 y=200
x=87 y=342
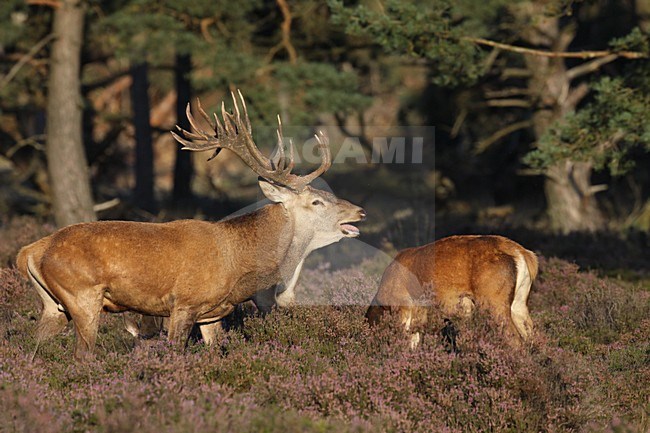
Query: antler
x=236 y=134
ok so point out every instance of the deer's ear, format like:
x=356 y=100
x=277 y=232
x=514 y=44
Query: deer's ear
x=275 y=193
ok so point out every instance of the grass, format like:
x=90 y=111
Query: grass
x=320 y=368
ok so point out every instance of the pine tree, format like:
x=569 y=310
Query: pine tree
x=66 y=159
x=451 y=36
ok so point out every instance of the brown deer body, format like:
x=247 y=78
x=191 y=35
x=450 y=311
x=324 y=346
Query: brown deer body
x=191 y=271
x=458 y=273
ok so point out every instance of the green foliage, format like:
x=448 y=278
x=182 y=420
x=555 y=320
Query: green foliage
x=21 y=27
x=630 y=358
x=235 y=47
x=606 y=129
x=602 y=132
x=154 y=31
x=324 y=88
x=142 y=30
x=636 y=40
x=434 y=30
x=13 y=14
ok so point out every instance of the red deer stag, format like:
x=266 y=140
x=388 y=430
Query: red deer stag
x=191 y=271
x=458 y=272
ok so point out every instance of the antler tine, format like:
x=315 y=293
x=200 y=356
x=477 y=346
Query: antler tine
x=246 y=119
x=204 y=114
x=281 y=163
x=223 y=136
x=181 y=140
x=237 y=114
x=283 y=166
x=325 y=158
x=326 y=155
x=233 y=124
x=195 y=128
x=219 y=127
x=279 y=153
x=200 y=139
x=227 y=120
x=291 y=164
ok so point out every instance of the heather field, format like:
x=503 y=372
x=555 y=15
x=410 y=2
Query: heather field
x=321 y=368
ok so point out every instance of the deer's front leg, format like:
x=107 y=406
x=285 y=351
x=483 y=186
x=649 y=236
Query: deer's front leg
x=180 y=324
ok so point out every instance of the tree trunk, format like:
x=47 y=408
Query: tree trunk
x=144 y=177
x=182 y=194
x=642 y=8
x=571 y=205
x=571 y=202
x=67 y=167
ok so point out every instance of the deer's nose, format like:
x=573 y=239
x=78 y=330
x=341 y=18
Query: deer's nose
x=362 y=214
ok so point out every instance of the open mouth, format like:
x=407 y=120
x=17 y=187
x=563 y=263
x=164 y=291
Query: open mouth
x=349 y=230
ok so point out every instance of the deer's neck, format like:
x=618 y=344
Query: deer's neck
x=299 y=247
x=270 y=245
x=273 y=237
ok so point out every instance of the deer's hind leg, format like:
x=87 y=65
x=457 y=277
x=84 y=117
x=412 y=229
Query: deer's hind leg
x=51 y=323
x=211 y=332
x=495 y=285
x=498 y=307
x=53 y=317
x=85 y=308
x=146 y=327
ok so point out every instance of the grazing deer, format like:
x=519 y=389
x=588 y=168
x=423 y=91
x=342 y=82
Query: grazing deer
x=456 y=273
x=191 y=271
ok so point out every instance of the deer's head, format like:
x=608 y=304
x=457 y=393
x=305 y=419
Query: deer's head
x=323 y=216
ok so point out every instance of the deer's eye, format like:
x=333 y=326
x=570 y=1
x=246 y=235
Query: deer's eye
x=317 y=203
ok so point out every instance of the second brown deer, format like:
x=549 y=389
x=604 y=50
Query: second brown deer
x=455 y=274
x=191 y=271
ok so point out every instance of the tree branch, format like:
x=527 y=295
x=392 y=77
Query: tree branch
x=33 y=141
x=515 y=73
x=458 y=123
x=26 y=58
x=482 y=145
x=103 y=82
x=522 y=103
x=503 y=93
x=51 y=3
x=286 y=31
x=559 y=54
x=576 y=94
x=99 y=207
x=590 y=66
x=490 y=59
x=597 y=188
x=205 y=24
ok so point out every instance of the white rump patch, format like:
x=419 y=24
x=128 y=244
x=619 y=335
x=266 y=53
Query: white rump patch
x=519 y=309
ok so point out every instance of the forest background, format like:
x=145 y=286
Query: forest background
x=540 y=109
x=535 y=124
